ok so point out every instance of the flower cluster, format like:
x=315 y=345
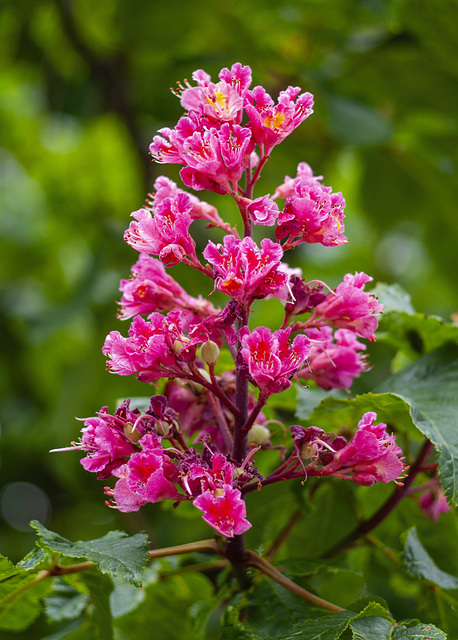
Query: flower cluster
x=199 y=439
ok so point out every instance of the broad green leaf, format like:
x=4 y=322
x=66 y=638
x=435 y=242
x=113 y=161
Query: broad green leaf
x=65 y=602
x=393 y=297
x=423 y=395
x=334 y=413
x=75 y=630
x=309 y=399
x=430 y=387
x=99 y=588
x=20 y=600
x=116 y=553
x=325 y=628
x=164 y=612
x=418 y=632
x=416 y=334
x=371 y=628
x=125 y=597
x=420 y=564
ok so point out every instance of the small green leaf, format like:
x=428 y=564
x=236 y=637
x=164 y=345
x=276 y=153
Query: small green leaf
x=33 y=559
x=418 y=632
x=393 y=297
x=420 y=564
x=116 y=553
x=65 y=602
x=7 y=568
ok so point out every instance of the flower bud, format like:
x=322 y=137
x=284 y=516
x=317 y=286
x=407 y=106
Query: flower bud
x=134 y=435
x=258 y=434
x=209 y=352
x=162 y=427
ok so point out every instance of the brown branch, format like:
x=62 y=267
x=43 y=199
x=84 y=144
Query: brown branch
x=254 y=560
x=366 y=526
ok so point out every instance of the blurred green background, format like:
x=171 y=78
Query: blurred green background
x=84 y=86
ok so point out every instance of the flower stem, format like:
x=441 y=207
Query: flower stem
x=254 y=560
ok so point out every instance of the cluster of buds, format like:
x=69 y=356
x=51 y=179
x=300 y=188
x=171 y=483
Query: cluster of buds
x=198 y=440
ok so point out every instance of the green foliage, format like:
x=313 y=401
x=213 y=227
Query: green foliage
x=116 y=553
x=420 y=564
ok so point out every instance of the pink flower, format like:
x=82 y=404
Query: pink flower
x=350 y=307
x=224 y=510
x=210 y=485
x=244 y=271
x=372 y=455
x=215 y=159
x=304 y=173
x=105 y=443
x=313 y=214
x=166 y=188
x=334 y=364
x=157 y=347
x=220 y=102
x=271 y=359
x=152 y=289
x=263 y=211
x=433 y=502
x=147 y=477
x=271 y=123
x=166 y=234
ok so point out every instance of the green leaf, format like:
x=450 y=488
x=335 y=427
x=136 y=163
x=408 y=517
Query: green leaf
x=309 y=399
x=393 y=297
x=125 y=597
x=420 y=564
x=371 y=628
x=164 y=612
x=416 y=334
x=7 y=568
x=100 y=588
x=418 y=632
x=116 y=553
x=75 y=630
x=65 y=602
x=33 y=559
x=430 y=387
x=325 y=628
x=334 y=413
x=20 y=600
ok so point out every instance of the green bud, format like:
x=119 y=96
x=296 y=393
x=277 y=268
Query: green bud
x=258 y=434
x=134 y=435
x=209 y=352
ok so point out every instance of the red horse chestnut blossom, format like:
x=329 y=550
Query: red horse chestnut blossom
x=201 y=441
